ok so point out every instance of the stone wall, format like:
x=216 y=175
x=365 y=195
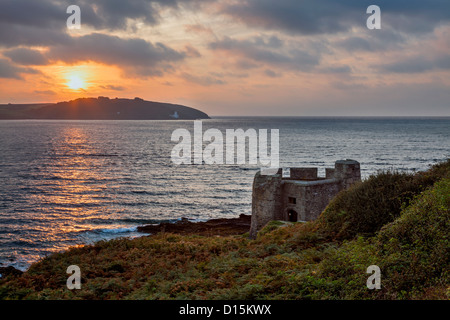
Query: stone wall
x=266 y=204
x=302 y=174
x=348 y=171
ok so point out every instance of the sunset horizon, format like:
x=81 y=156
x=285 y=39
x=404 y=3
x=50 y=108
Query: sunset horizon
x=231 y=58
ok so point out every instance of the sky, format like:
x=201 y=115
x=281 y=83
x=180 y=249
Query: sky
x=232 y=57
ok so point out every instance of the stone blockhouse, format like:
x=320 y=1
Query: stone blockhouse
x=298 y=194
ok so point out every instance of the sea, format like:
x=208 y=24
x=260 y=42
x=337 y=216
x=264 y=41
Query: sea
x=71 y=183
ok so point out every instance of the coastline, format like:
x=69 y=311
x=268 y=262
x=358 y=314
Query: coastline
x=212 y=227
x=219 y=227
x=396 y=221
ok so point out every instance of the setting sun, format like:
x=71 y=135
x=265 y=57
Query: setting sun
x=76 y=82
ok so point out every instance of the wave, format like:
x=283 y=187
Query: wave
x=117 y=230
x=145 y=221
x=155 y=193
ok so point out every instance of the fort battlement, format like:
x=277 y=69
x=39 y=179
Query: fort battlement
x=298 y=194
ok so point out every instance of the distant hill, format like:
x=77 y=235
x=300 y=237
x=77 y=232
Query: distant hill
x=101 y=108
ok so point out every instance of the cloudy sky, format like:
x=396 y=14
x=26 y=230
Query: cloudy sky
x=226 y=57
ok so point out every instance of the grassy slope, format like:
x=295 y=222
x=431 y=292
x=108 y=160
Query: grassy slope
x=399 y=222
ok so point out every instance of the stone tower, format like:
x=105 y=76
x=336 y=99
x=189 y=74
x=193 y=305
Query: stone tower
x=301 y=196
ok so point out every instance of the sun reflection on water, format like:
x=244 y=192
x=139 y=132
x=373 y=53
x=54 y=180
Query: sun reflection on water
x=75 y=187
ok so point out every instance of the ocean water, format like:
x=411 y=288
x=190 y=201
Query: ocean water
x=67 y=183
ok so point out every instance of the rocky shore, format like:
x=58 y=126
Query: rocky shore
x=213 y=227
x=6 y=271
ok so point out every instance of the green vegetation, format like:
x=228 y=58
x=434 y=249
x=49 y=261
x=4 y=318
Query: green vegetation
x=399 y=222
x=366 y=207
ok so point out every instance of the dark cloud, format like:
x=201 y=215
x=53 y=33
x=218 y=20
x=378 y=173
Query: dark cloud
x=11 y=71
x=111 y=14
x=43 y=22
x=41 y=14
x=204 y=80
x=32 y=23
x=246 y=64
x=237 y=75
x=271 y=51
x=113 y=87
x=338 y=69
x=329 y=16
x=116 y=14
x=307 y=17
x=139 y=56
x=416 y=64
x=271 y=73
x=356 y=44
x=300 y=16
x=381 y=40
x=12 y=35
x=25 y=56
x=7 y=70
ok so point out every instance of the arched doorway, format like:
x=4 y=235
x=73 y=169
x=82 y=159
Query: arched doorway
x=292 y=216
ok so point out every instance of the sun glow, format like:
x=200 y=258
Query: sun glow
x=76 y=82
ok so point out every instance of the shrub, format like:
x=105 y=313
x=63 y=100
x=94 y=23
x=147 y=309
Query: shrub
x=413 y=253
x=365 y=207
x=416 y=247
